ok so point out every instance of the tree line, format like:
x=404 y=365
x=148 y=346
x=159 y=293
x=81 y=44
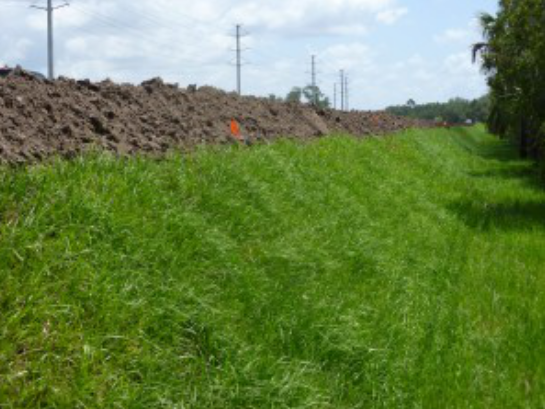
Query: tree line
x=512 y=54
x=455 y=111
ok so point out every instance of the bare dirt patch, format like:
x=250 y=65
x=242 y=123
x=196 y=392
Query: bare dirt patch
x=40 y=119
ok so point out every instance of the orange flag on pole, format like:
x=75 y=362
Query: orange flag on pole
x=235 y=130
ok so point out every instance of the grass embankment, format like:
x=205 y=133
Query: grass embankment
x=397 y=272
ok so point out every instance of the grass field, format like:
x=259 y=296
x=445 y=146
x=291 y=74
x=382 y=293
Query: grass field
x=403 y=272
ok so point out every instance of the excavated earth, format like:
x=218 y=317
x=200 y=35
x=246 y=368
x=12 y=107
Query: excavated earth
x=40 y=119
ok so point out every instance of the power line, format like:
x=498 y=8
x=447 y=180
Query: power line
x=147 y=19
x=135 y=32
x=16 y=3
x=174 y=14
x=131 y=26
x=106 y=20
x=99 y=19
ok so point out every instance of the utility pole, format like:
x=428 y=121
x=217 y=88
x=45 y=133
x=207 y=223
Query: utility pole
x=342 y=90
x=346 y=94
x=335 y=95
x=313 y=80
x=239 y=61
x=50 y=45
x=313 y=71
x=50 y=38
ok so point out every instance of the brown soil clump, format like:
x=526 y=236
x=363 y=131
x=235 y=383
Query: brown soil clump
x=41 y=119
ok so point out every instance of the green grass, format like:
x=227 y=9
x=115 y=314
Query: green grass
x=403 y=272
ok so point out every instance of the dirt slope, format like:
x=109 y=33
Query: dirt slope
x=39 y=119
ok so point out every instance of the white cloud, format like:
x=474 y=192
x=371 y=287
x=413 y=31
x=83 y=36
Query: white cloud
x=348 y=56
x=349 y=30
x=315 y=17
x=18 y=50
x=162 y=36
x=468 y=34
x=391 y=16
x=420 y=78
x=461 y=64
x=454 y=35
x=189 y=41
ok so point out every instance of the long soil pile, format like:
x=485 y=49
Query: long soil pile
x=39 y=119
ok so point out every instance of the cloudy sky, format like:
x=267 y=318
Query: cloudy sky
x=392 y=50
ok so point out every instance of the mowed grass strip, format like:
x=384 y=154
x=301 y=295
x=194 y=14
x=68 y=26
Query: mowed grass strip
x=400 y=272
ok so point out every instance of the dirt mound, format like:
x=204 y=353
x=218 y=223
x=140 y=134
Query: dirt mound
x=39 y=119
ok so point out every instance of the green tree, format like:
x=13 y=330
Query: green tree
x=314 y=96
x=295 y=95
x=512 y=55
x=310 y=94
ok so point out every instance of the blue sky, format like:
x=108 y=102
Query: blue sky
x=392 y=50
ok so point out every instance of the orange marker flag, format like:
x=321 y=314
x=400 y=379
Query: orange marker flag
x=235 y=129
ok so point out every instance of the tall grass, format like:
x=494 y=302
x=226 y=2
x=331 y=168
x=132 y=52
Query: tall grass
x=400 y=272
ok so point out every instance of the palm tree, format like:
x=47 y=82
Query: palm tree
x=484 y=49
